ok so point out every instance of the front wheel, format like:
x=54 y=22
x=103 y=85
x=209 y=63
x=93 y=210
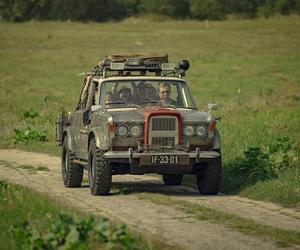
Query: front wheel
x=71 y=172
x=209 y=177
x=172 y=179
x=99 y=169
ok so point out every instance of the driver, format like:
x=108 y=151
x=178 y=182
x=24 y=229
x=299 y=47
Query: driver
x=125 y=95
x=164 y=92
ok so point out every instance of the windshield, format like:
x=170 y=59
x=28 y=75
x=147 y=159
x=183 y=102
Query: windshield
x=141 y=93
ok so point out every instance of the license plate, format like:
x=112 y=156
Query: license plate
x=164 y=159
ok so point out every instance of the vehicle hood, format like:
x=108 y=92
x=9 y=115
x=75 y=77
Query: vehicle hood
x=139 y=115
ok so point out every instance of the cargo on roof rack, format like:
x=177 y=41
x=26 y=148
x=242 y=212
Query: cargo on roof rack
x=123 y=65
x=141 y=58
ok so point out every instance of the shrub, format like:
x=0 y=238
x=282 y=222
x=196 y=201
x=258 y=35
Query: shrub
x=29 y=135
x=266 y=162
x=28 y=128
x=207 y=9
x=267 y=9
x=30 y=114
x=69 y=232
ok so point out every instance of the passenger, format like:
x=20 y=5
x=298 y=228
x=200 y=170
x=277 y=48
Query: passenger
x=109 y=99
x=140 y=93
x=164 y=91
x=151 y=94
x=114 y=92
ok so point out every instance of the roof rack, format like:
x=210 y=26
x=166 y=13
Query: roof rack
x=124 y=65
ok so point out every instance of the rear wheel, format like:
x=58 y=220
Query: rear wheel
x=99 y=169
x=71 y=172
x=209 y=178
x=172 y=179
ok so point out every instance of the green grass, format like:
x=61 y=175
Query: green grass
x=260 y=57
x=282 y=237
x=285 y=190
x=20 y=206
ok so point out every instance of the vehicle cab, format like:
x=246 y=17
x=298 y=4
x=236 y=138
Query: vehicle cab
x=136 y=115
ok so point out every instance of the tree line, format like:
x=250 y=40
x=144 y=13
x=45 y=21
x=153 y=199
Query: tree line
x=114 y=10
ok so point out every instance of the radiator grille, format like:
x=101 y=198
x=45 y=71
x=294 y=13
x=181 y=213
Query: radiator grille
x=163 y=130
x=163 y=124
x=163 y=141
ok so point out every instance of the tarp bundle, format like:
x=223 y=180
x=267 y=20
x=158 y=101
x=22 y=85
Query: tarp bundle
x=142 y=58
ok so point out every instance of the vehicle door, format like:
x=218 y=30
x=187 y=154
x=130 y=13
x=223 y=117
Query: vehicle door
x=82 y=119
x=84 y=126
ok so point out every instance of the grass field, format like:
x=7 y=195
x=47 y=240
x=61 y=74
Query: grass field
x=32 y=221
x=259 y=59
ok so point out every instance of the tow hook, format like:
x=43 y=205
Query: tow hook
x=197 y=160
x=130 y=152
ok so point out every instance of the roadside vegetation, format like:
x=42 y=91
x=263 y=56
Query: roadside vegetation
x=270 y=172
x=31 y=221
x=249 y=67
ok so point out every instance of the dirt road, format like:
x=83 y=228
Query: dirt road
x=162 y=221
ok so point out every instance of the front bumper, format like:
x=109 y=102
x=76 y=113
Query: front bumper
x=197 y=155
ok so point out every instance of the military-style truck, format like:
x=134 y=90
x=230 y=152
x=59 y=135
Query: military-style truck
x=136 y=115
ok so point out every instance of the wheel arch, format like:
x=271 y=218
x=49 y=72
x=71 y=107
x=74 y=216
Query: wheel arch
x=100 y=139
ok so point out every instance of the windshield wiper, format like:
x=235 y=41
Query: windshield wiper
x=116 y=102
x=123 y=103
x=133 y=105
x=161 y=104
x=186 y=108
x=150 y=102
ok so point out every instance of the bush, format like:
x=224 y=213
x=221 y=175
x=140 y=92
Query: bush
x=287 y=7
x=69 y=232
x=21 y=10
x=31 y=132
x=30 y=114
x=207 y=9
x=29 y=135
x=107 y=10
x=266 y=162
x=267 y=10
x=172 y=8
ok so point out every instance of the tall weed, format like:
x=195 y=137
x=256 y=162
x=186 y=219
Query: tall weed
x=69 y=232
x=28 y=128
x=29 y=135
x=30 y=114
x=262 y=163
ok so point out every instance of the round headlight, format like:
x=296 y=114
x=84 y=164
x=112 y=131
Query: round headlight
x=122 y=130
x=135 y=131
x=188 y=130
x=201 y=130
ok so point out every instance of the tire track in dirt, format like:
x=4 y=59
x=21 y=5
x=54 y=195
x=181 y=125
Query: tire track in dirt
x=144 y=216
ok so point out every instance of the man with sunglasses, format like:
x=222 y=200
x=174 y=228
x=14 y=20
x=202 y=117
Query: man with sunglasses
x=164 y=91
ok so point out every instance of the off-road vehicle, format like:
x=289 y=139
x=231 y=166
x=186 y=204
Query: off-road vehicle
x=136 y=115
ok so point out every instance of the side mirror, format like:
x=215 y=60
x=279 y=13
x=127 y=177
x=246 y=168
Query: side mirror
x=212 y=106
x=95 y=108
